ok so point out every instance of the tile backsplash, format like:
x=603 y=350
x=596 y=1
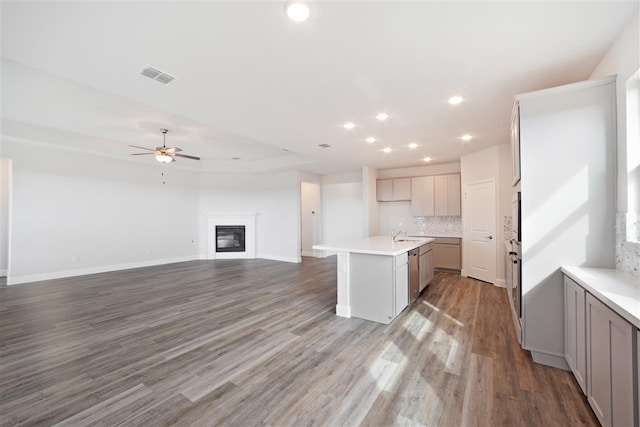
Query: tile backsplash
x=627 y=252
x=439 y=225
x=507 y=227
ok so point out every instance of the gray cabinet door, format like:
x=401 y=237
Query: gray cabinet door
x=371 y=290
x=609 y=365
x=575 y=332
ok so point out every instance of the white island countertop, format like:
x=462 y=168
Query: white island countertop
x=620 y=291
x=377 y=245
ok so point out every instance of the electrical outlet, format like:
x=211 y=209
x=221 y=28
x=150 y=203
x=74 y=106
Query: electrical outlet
x=75 y=258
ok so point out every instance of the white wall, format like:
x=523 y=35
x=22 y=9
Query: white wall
x=369 y=202
x=492 y=163
x=275 y=198
x=77 y=214
x=5 y=168
x=343 y=205
x=622 y=59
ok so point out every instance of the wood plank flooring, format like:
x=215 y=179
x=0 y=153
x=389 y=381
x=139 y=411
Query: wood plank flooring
x=257 y=343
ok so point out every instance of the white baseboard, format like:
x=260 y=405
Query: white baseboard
x=343 y=310
x=553 y=360
x=501 y=283
x=325 y=254
x=3 y=273
x=94 y=270
x=318 y=254
x=280 y=258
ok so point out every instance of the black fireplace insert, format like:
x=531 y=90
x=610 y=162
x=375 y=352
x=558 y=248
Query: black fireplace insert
x=230 y=238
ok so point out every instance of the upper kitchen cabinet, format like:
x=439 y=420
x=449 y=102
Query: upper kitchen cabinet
x=393 y=190
x=447 y=195
x=422 y=196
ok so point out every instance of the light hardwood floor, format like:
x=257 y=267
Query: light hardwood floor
x=257 y=342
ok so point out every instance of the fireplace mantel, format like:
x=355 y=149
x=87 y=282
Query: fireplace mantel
x=247 y=219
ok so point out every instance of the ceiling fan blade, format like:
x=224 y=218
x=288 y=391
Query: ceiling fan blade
x=187 y=157
x=174 y=149
x=142 y=148
x=141 y=154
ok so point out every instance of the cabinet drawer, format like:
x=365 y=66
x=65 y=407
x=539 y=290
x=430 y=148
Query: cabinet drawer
x=448 y=240
x=426 y=248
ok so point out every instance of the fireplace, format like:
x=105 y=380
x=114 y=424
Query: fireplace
x=229 y=235
x=230 y=238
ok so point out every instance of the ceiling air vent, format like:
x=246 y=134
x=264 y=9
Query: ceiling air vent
x=324 y=145
x=157 y=75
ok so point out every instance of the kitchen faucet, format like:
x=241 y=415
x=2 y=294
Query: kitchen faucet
x=395 y=235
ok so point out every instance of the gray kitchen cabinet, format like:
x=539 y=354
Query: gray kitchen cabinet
x=391 y=190
x=610 y=380
x=401 y=283
x=426 y=262
x=575 y=331
x=447 y=195
x=379 y=288
x=567 y=135
x=447 y=253
x=422 y=196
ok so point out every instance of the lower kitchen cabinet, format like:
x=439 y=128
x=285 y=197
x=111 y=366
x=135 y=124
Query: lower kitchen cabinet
x=610 y=379
x=426 y=265
x=379 y=286
x=401 y=283
x=447 y=253
x=575 y=331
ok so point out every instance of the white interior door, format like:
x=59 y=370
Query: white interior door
x=310 y=217
x=479 y=219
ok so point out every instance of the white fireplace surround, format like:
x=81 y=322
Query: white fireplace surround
x=249 y=222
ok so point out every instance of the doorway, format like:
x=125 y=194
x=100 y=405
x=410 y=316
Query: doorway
x=310 y=223
x=479 y=219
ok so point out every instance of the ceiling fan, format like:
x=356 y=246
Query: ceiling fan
x=164 y=154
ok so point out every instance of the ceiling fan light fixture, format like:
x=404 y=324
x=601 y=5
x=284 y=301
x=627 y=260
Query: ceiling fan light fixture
x=297 y=11
x=164 y=158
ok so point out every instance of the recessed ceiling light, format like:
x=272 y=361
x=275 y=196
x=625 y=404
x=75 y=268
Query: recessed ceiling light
x=466 y=137
x=371 y=140
x=382 y=116
x=413 y=145
x=427 y=159
x=297 y=10
x=349 y=125
x=387 y=150
x=455 y=100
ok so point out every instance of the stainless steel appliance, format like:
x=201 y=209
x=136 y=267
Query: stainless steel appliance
x=414 y=274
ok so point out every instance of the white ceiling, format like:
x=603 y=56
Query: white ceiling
x=251 y=82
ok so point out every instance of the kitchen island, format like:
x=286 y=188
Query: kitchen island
x=373 y=276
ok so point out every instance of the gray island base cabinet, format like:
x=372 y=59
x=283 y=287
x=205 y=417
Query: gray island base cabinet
x=373 y=275
x=379 y=286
